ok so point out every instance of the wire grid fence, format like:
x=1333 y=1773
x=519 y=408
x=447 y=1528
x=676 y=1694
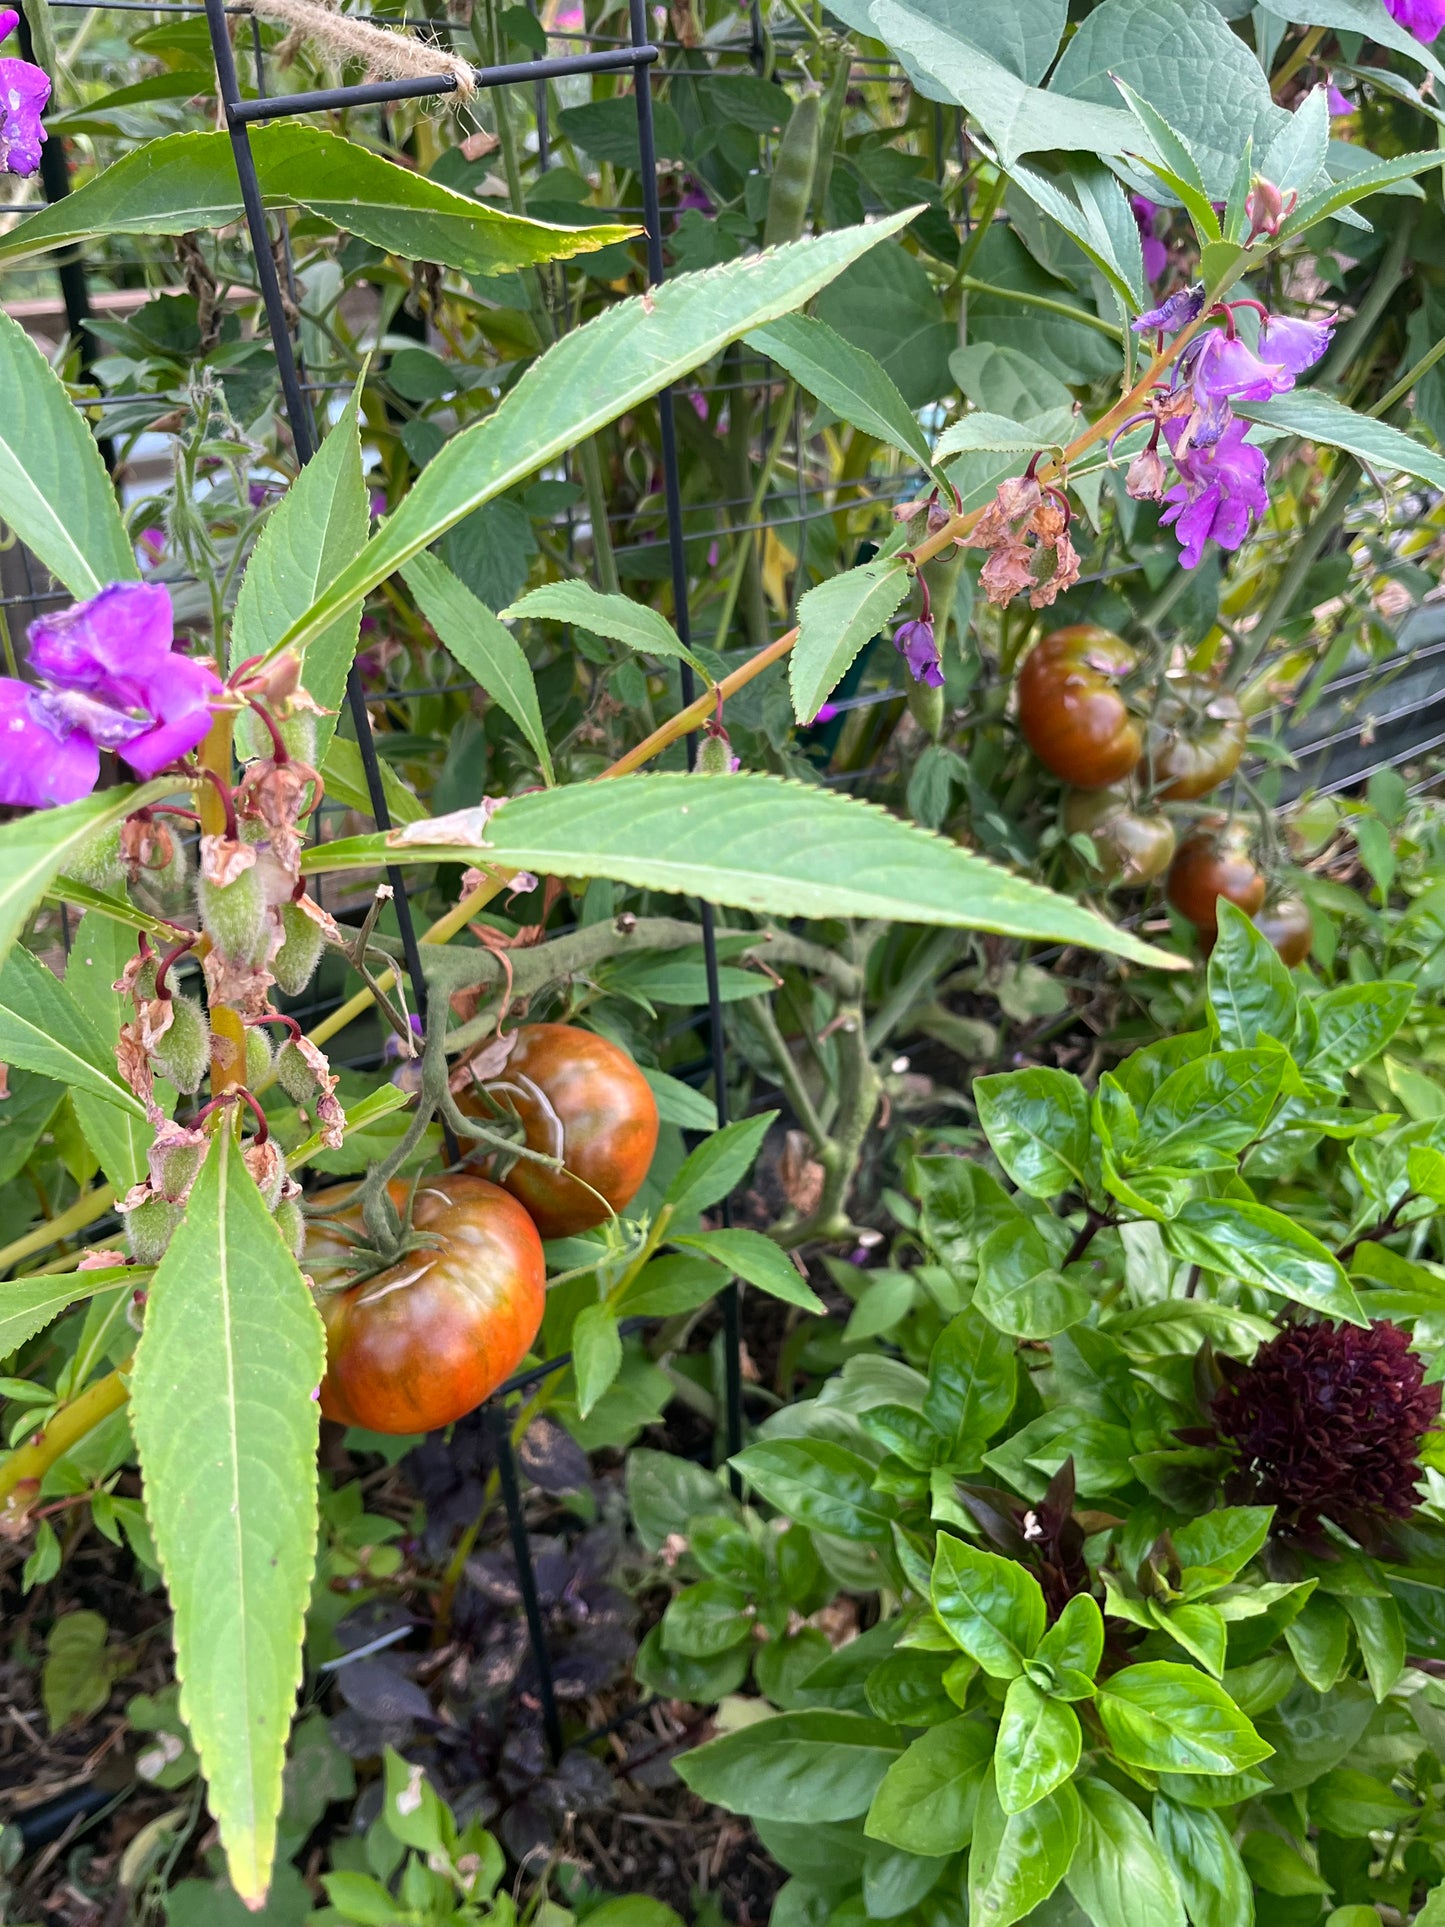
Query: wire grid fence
x=1419 y=673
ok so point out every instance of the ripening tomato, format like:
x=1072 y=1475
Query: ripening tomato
x=1132 y=846
x=426 y=1340
x=1289 y=927
x=1211 y=863
x=582 y=1099
x=1070 y=709
x=1196 y=738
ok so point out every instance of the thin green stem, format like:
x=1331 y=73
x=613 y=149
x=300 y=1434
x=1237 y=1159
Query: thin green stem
x=755 y=508
x=790 y=1079
x=589 y=459
x=1081 y=315
x=1408 y=380
x=983 y=221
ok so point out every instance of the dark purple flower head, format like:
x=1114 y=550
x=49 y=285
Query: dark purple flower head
x=1221 y=485
x=1182 y=307
x=1294 y=344
x=1327 y=1423
x=1423 y=18
x=109 y=679
x=695 y=195
x=915 y=642
x=1156 y=255
x=24 y=90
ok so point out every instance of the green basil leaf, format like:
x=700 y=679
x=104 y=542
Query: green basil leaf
x=1119 y=1876
x=820 y=1484
x=1169 y=1718
x=1210 y=1874
x=1039 y=1742
x=1037 y=1123
x=1018 y=1859
x=1251 y=993
x=1019 y=1288
x=926 y=1801
x=799 y=1767
x=992 y=1607
x=1261 y=1247
x=972 y=1383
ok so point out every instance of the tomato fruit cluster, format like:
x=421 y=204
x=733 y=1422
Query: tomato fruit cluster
x=1132 y=846
x=426 y=1340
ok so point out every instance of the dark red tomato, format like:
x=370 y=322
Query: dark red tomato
x=1070 y=709
x=1197 y=736
x=1289 y=927
x=425 y=1341
x=1214 y=862
x=1132 y=847
x=582 y=1099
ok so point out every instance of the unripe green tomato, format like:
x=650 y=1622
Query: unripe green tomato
x=291 y=1224
x=1131 y=846
x=294 y=1074
x=233 y=915
x=294 y=964
x=184 y=1053
x=258 y=1056
x=149 y=1229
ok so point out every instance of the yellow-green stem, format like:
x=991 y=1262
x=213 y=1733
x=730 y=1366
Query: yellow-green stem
x=22 y=1472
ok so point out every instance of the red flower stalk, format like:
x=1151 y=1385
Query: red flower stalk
x=1327 y=1423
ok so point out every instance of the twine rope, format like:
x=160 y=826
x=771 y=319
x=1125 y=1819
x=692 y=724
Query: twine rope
x=386 y=54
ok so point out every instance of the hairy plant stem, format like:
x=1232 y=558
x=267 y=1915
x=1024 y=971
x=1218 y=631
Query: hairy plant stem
x=790 y=1078
x=228 y=1033
x=22 y=1472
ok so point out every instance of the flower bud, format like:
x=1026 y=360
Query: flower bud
x=183 y=1051
x=294 y=964
x=294 y=1074
x=1264 y=204
x=258 y=1057
x=149 y=1226
x=291 y=1224
x=98 y=861
x=233 y=915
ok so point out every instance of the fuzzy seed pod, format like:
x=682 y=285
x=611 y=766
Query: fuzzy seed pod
x=183 y=1054
x=298 y=733
x=99 y=863
x=291 y=1224
x=258 y=1056
x=149 y=1227
x=170 y=883
x=234 y=915
x=714 y=756
x=294 y=964
x=294 y=1074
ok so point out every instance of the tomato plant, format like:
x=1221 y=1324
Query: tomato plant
x=1131 y=846
x=1196 y=739
x=1288 y=925
x=580 y=1098
x=421 y=1342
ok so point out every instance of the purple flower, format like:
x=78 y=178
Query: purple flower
x=1423 y=18
x=1224 y=369
x=1337 y=102
x=1182 y=307
x=697 y=196
x=915 y=643
x=1156 y=255
x=109 y=680
x=826 y=713
x=1221 y=485
x=1294 y=344
x=24 y=90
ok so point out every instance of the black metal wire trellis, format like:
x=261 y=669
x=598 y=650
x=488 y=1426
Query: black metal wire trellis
x=240 y=114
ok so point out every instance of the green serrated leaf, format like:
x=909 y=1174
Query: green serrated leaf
x=226 y=1423
x=835 y=621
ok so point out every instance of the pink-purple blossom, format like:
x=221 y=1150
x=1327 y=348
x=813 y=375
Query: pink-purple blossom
x=915 y=642
x=1423 y=18
x=24 y=91
x=1295 y=343
x=108 y=679
x=1221 y=485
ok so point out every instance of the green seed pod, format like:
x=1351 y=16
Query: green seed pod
x=233 y=915
x=149 y=1227
x=258 y=1056
x=794 y=166
x=171 y=882
x=714 y=756
x=98 y=862
x=291 y=1224
x=298 y=733
x=294 y=964
x=145 y=982
x=294 y=1074
x=184 y=1054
